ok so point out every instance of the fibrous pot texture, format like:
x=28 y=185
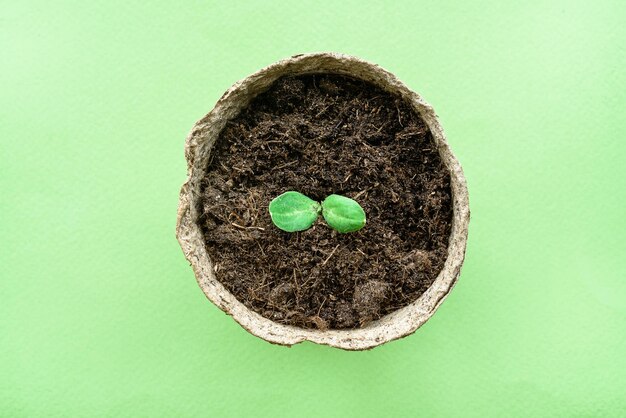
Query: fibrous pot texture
x=198 y=151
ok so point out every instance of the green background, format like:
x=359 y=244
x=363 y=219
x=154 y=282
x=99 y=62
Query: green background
x=100 y=315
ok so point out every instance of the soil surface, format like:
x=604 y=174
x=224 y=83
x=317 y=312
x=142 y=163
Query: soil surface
x=323 y=134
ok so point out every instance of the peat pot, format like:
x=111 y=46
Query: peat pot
x=198 y=152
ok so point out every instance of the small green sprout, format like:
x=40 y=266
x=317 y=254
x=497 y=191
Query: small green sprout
x=343 y=213
x=293 y=211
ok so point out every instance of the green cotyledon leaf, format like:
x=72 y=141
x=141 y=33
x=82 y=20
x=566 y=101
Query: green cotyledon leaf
x=343 y=214
x=293 y=211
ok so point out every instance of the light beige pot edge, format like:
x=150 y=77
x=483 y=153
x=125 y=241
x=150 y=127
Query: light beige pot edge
x=198 y=153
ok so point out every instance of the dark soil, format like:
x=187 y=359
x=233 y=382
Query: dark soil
x=319 y=135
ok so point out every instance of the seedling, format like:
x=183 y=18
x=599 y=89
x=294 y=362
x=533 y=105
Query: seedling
x=342 y=213
x=293 y=211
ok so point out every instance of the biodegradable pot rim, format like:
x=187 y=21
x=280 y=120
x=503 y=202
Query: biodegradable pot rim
x=198 y=146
